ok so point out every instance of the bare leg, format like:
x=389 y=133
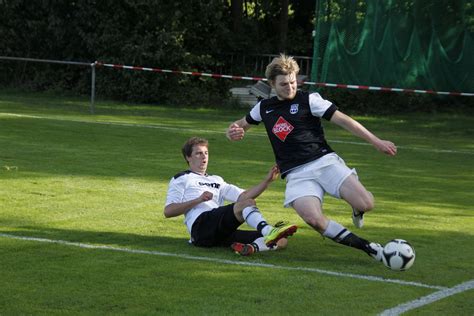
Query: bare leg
x=309 y=208
x=361 y=200
x=354 y=193
x=239 y=207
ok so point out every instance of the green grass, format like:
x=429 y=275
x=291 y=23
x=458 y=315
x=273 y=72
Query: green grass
x=102 y=179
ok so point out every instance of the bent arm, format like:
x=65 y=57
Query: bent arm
x=236 y=130
x=359 y=130
x=255 y=191
x=176 y=209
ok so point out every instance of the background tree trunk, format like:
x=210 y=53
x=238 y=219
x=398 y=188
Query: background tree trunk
x=283 y=26
x=236 y=12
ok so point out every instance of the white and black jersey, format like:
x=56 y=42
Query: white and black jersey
x=294 y=127
x=188 y=185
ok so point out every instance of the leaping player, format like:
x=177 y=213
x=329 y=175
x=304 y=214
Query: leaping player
x=311 y=168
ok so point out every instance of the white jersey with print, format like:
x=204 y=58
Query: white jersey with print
x=187 y=185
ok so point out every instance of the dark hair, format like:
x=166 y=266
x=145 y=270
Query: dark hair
x=187 y=149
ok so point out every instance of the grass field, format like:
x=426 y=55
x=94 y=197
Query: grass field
x=82 y=230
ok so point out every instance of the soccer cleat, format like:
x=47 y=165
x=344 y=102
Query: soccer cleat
x=357 y=218
x=281 y=230
x=375 y=250
x=242 y=249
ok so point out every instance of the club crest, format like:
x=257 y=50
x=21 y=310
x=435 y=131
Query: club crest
x=294 y=108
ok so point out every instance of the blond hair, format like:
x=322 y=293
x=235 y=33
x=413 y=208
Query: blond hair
x=281 y=65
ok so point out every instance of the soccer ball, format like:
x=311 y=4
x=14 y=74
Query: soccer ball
x=398 y=255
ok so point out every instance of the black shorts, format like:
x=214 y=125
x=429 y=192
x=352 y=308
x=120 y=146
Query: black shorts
x=218 y=227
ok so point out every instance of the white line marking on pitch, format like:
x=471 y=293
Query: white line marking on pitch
x=173 y=128
x=425 y=300
x=224 y=261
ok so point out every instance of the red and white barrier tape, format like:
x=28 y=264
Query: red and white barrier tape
x=333 y=85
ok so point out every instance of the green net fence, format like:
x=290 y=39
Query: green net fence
x=417 y=44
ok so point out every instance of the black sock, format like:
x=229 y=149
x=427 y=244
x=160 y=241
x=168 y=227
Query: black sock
x=355 y=241
x=342 y=235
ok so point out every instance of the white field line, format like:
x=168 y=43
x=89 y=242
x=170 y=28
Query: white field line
x=194 y=130
x=425 y=300
x=223 y=261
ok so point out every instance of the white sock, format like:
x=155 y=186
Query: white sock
x=259 y=245
x=266 y=230
x=254 y=219
x=336 y=231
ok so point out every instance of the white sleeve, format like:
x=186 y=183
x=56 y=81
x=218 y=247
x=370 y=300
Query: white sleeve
x=318 y=105
x=230 y=192
x=175 y=191
x=255 y=113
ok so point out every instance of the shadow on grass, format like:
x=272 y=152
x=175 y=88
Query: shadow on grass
x=117 y=239
x=306 y=249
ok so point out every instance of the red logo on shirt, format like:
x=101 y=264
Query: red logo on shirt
x=282 y=128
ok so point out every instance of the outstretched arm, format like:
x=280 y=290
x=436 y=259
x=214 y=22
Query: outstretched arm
x=176 y=209
x=255 y=191
x=346 y=122
x=236 y=130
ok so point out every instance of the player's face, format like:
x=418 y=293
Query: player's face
x=198 y=159
x=285 y=86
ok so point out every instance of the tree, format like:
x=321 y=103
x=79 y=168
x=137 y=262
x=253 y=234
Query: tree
x=236 y=13
x=283 y=25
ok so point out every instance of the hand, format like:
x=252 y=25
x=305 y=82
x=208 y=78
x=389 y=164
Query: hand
x=387 y=147
x=235 y=132
x=273 y=173
x=206 y=196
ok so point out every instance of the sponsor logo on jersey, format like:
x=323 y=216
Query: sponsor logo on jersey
x=294 y=108
x=211 y=185
x=268 y=111
x=282 y=128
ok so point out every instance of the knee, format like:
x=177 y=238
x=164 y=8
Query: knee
x=367 y=202
x=247 y=202
x=317 y=223
x=309 y=209
x=241 y=205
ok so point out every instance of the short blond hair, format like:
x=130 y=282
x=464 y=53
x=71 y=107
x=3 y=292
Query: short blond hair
x=281 y=65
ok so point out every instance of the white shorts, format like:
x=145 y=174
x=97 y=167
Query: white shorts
x=317 y=177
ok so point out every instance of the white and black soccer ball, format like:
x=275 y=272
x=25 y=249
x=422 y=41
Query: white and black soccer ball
x=398 y=255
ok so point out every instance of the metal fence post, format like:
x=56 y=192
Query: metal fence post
x=93 y=87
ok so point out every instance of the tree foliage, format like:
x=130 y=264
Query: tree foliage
x=182 y=34
x=177 y=34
